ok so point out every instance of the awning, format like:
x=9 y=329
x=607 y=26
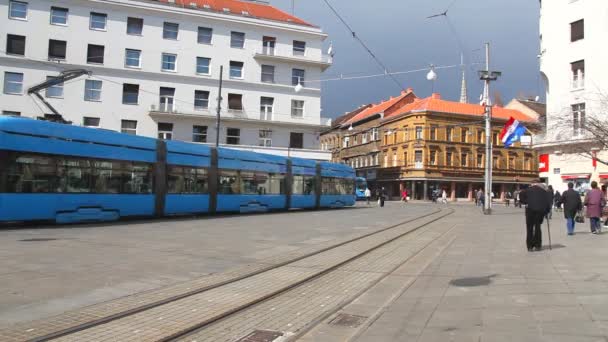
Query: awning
x=577 y=176
x=604 y=176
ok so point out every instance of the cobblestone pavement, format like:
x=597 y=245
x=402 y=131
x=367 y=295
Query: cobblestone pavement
x=86 y=264
x=485 y=286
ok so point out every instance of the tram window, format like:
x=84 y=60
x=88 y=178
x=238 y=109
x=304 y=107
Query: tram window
x=303 y=185
x=227 y=182
x=54 y=174
x=31 y=174
x=187 y=180
x=255 y=183
x=337 y=186
x=277 y=184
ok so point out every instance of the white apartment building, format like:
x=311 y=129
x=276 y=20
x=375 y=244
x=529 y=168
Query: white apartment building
x=573 y=57
x=155 y=68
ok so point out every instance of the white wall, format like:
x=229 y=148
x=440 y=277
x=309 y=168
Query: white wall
x=150 y=78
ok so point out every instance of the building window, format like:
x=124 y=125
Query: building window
x=205 y=34
x=202 y=65
x=169 y=62
x=296 y=140
x=375 y=133
x=385 y=159
x=167 y=99
x=433 y=133
x=237 y=40
x=448 y=133
x=135 y=26
x=165 y=131
x=233 y=136
x=480 y=136
x=578 y=74
x=201 y=99
x=13 y=83
x=57 y=49
x=90 y=122
x=299 y=48
x=419 y=135
x=512 y=162
x=395 y=160
x=199 y=134
x=448 y=158
x=418 y=159
x=17 y=10
x=265 y=138
x=577 y=30
x=463 y=134
x=15 y=45
x=236 y=69
x=11 y=113
x=133 y=58
x=464 y=159
x=235 y=102
x=98 y=21
x=495 y=139
x=405 y=159
x=95 y=54
x=364 y=138
x=578 y=118
x=130 y=94
x=297 y=108
x=170 y=30
x=480 y=160
x=433 y=157
x=54 y=90
x=268 y=73
x=346 y=142
x=297 y=77
x=266 y=108
x=128 y=127
x=268 y=44
x=92 y=90
x=557 y=171
x=59 y=16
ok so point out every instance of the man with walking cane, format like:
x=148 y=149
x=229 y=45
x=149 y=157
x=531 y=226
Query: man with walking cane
x=538 y=203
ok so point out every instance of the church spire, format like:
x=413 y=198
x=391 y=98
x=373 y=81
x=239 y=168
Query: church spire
x=463 y=86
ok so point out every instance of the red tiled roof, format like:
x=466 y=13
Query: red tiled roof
x=436 y=104
x=255 y=10
x=379 y=108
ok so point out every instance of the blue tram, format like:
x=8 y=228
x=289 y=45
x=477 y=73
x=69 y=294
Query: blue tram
x=70 y=174
x=360 y=186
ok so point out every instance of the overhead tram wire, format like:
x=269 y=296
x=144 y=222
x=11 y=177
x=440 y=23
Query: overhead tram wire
x=352 y=32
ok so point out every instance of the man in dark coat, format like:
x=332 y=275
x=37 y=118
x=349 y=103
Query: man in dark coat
x=571 y=200
x=538 y=203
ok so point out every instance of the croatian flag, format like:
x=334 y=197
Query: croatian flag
x=512 y=132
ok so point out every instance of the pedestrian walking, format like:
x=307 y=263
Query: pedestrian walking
x=368 y=195
x=479 y=197
x=382 y=197
x=444 y=197
x=571 y=200
x=435 y=195
x=404 y=196
x=508 y=199
x=557 y=201
x=552 y=194
x=476 y=197
x=595 y=201
x=538 y=204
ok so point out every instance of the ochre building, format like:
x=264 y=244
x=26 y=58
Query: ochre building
x=432 y=144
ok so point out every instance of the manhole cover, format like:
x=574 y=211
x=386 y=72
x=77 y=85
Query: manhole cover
x=347 y=320
x=38 y=240
x=472 y=281
x=261 y=336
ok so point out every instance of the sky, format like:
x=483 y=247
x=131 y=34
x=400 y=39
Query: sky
x=399 y=34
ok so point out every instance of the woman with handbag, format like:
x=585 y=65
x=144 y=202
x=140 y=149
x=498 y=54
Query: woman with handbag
x=595 y=201
x=573 y=205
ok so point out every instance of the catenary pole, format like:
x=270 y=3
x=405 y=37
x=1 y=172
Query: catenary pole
x=219 y=109
x=488 y=116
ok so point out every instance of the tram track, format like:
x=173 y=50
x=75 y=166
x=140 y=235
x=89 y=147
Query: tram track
x=289 y=274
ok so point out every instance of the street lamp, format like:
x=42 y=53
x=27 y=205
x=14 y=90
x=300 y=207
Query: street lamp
x=298 y=86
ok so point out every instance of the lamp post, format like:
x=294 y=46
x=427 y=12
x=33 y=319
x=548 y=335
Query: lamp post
x=487 y=76
x=219 y=108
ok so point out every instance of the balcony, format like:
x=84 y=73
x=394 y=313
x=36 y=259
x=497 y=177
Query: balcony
x=273 y=54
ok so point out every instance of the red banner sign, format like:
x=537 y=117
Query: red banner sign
x=543 y=163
